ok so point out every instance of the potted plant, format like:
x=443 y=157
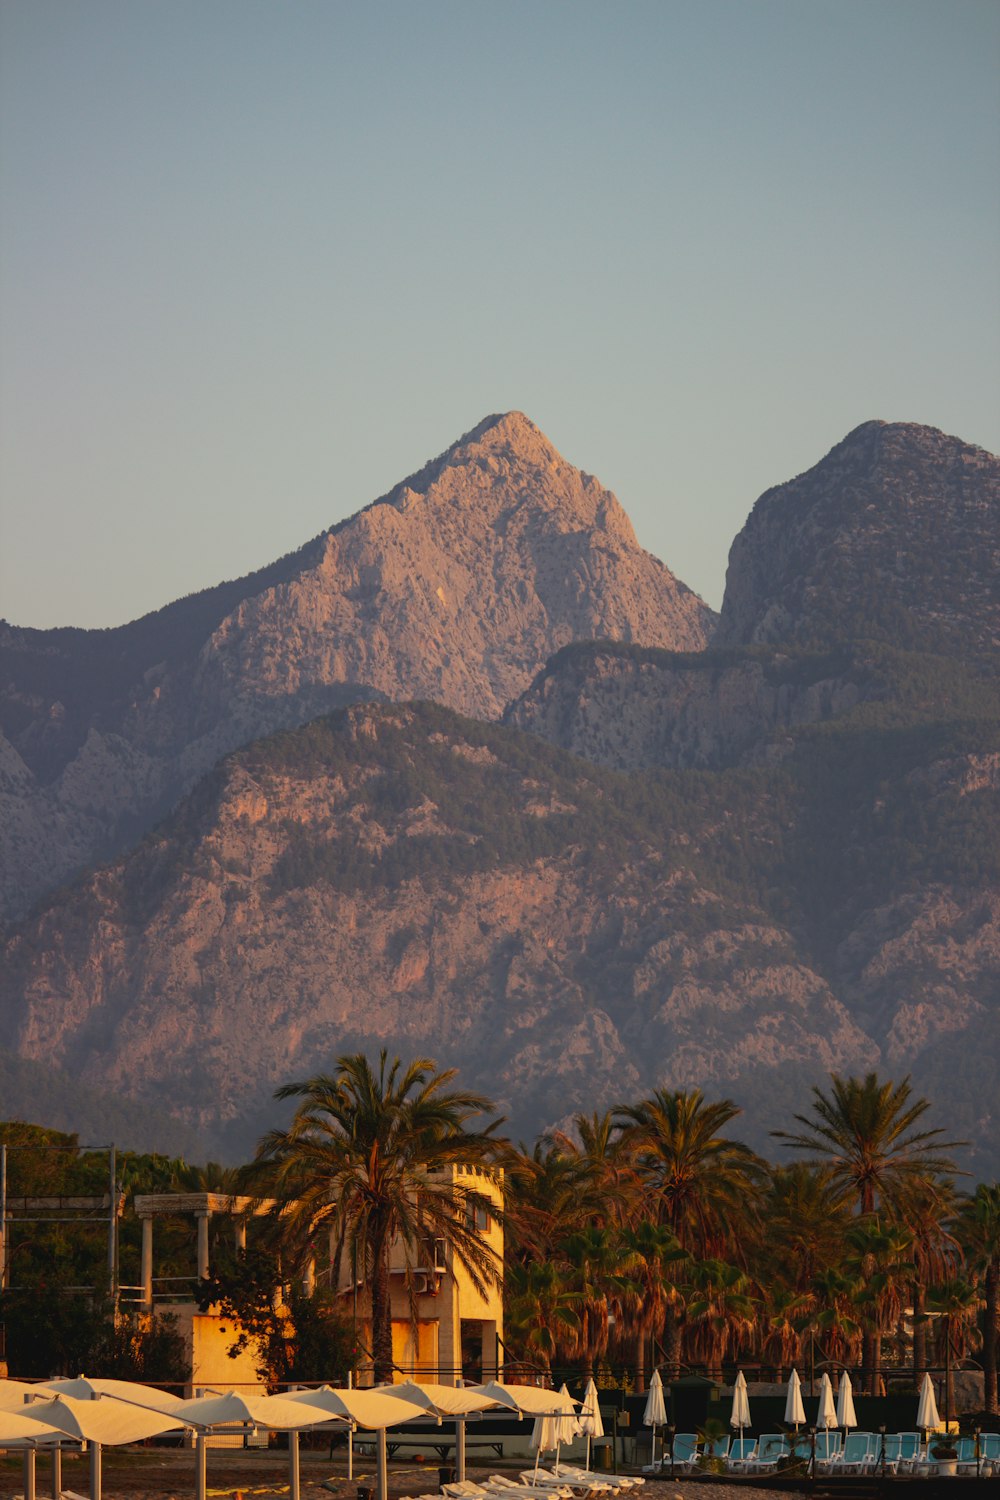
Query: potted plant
x=944 y=1452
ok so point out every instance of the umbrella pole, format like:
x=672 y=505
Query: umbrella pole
x=350 y=1431
x=460 y=1449
x=557 y=1458
x=95 y=1471
x=56 y=1472
x=293 y=1466
x=28 y=1472
x=200 y=1467
x=382 y=1476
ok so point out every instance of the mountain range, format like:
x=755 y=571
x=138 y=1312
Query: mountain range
x=472 y=774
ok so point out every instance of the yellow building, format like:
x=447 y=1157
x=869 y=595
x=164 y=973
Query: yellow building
x=442 y=1326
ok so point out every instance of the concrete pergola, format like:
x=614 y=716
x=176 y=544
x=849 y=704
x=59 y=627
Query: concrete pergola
x=150 y=1206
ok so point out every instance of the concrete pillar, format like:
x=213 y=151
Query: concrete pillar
x=203 y=1217
x=309 y=1277
x=146 y=1265
x=240 y=1235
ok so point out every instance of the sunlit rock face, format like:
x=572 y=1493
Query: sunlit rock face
x=454 y=587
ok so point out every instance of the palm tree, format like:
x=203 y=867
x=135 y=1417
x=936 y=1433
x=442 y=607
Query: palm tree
x=934 y=1251
x=720 y=1312
x=979 y=1231
x=596 y=1260
x=877 y=1260
x=698 y=1182
x=956 y=1304
x=543 y=1318
x=370 y=1157
x=865 y=1131
x=654 y=1254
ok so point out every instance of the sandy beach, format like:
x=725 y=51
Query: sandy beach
x=156 y=1474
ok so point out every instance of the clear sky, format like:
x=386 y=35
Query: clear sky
x=259 y=259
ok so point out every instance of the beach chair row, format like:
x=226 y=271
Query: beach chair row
x=570 y=1483
x=859 y=1454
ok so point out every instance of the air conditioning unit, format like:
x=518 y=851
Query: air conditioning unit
x=426 y=1283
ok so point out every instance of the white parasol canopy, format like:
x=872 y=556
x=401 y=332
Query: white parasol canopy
x=105 y=1421
x=457 y=1402
x=528 y=1400
x=125 y=1390
x=826 y=1412
x=794 y=1413
x=375 y=1410
x=442 y=1400
x=928 y=1419
x=590 y=1420
x=17 y=1428
x=655 y=1413
x=740 y=1414
x=846 y=1417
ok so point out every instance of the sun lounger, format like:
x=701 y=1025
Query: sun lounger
x=828 y=1445
x=574 y=1474
x=595 y=1484
x=542 y=1489
x=716 y=1447
x=911 y=1445
x=741 y=1452
x=859 y=1454
x=770 y=1447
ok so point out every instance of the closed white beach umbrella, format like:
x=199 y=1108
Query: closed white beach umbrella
x=846 y=1417
x=591 y=1423
x=928 y=1419
x=655 y=1413
x=794 y=1413
x=569 y=1427
x=826 y=1414
x=739 y=1416
x=545 y=1435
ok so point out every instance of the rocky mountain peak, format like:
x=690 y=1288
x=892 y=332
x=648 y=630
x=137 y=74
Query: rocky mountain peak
x=454 y=587
x=893 y=535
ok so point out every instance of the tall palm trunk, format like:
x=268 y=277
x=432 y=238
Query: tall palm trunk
x=919 y=1333
x=381 y=1313
x=640 y=1361
x=672 y=1343
x=991 y=1331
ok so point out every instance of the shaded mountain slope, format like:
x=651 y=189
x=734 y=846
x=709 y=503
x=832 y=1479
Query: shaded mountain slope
x=567 y=935
x=894 y=535
x=456 y=586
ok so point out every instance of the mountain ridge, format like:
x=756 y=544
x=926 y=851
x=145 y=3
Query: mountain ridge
x=455 y=586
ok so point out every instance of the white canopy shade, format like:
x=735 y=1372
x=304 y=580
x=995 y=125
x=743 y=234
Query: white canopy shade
x=17 y=1429
x=529 y=1400
x=846 y=1417
x=372 y=1409
x=826 y=1413
x=794 y=1413
x=739 y=1416
x=928 y=1419
x=442 y=1400
x=104 y=1420
x=14 y=1393
x=655 y=1414
x=84 y=1388
x=272 y=1412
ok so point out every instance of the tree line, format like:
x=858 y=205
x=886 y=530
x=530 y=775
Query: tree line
x=646 y=1235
